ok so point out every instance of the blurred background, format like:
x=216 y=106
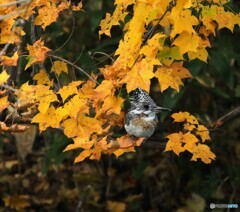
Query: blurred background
x=150 y=179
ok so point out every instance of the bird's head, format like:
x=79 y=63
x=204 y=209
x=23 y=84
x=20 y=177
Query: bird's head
x=142 y=103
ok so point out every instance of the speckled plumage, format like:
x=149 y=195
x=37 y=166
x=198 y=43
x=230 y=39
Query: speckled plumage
x=141 y=119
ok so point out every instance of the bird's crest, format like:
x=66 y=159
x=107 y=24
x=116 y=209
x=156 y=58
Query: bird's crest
x=140 y=96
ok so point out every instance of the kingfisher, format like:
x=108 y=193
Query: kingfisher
x=141 y=119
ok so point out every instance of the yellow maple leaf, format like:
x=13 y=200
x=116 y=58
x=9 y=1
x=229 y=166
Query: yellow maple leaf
x=171 y=76
x=84 y=154
x=48 y=13
x=105 y=89
x=184 y=44
x=112 y=104
x=42 y=78
x=203 y=152
x=69 y=90
x=80 y=142
x=201 y=53
x=139 y=76
x=83 y=126
x=183 y=21
x=25 y=94
x=99 y=147
x=4 y=77
x=119 y=152
x=153 y=45
x=184 y=116
x=225 y=19
x=37 y=52
x=175 y=141
x=59 y=67
x=114 y=20
x=189 y=127
x=203 y=132
x=76 y=105
x=77 y=7
x=71 y=130
x=4 y=103
x=51 y=118
x=44 y=96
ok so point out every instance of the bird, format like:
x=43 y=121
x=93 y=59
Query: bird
x=141 y=119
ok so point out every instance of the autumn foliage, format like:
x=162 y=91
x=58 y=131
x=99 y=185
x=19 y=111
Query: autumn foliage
x=158 y=37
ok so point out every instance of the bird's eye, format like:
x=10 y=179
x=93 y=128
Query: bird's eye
x=146 y=107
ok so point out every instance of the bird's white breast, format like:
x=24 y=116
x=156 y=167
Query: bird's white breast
x=143 y=127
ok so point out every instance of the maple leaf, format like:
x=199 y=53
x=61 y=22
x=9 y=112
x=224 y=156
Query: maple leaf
x=112 y=104
x=175 y=141
x=184 y=116
x=80 y=142
x=119 y=152
x=69 y=90
x=4 y=77
x=109 y=21
x=154 y=44
x=78 y=7
x=42 y=78
x=203 y=132
x=225 y=19
x=183 y=21
x=44 y=96
x=105 y=89
x=59 y=67
x=189 y=127
x=76 y=105
x=4 y=103
x=9 y=61
x=83 y=126
x=37 y=52
x=171 y=76
x=84 y=154
x=51 y=118
x=99 y=147
x=201 y=54
x=49 y=13
x=203 y=152
x=187 y=42
x=139 y=76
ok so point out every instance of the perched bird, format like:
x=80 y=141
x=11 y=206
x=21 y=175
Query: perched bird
x=141 y=119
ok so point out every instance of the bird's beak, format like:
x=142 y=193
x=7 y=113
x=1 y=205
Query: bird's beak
x=159 y=109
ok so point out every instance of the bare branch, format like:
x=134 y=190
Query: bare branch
x=235 y=113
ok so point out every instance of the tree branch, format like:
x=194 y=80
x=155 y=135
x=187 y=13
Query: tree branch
x=233 y=114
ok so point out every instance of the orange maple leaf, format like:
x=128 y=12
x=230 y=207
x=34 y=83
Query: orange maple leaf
x=37 y=52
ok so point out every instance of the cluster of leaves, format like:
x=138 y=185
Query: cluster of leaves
x=188 y=140
x=159 y=36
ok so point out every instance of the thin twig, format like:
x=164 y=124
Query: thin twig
x=77 y=67
x=108 y=56
x=69 y=37
x=80 y=55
